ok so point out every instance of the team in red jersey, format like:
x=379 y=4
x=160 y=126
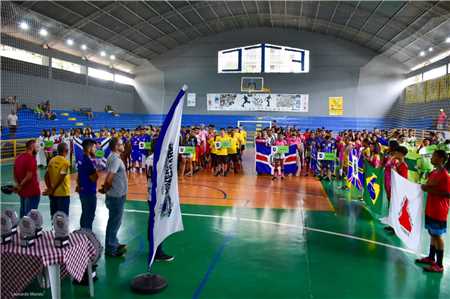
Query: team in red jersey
x=436 y=211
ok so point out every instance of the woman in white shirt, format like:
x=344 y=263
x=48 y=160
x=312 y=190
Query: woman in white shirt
x=41 y=158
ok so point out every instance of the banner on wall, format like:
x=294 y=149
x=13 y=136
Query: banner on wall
x=443 y=94
x=336 y=105
x=257 y=102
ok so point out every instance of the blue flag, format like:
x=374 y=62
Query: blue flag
x=263 y=159
x=102 y=147
x=164 y=202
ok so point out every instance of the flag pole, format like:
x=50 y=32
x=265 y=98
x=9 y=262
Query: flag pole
x=149 y=283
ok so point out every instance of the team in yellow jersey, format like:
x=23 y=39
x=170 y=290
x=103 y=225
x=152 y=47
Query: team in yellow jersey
x=225 y=150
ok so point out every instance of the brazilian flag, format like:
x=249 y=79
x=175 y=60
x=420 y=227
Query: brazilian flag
x=374 y=189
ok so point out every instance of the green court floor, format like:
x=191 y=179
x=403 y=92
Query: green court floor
x=238 y=252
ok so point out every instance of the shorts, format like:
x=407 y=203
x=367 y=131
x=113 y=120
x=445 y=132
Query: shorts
x=213 y=160
x=435 y=227
x=234 y=157
x=221 y=159
x=327 y=164
x=136 y=156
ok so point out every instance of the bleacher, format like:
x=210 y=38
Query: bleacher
x=30 y=125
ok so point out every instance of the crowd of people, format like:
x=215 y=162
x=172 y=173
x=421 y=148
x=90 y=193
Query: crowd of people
x=219 y=152
x=58 y=187
x=205 y=147
x=373 y=145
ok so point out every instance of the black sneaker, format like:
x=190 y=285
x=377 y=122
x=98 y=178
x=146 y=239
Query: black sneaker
x=120 y=251
x=164 y=258
x=122 y=247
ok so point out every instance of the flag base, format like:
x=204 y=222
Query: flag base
x=148 y=283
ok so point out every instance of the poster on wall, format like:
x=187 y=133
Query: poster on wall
x=257 y=102
x=420 y=92
x=411 y=94
x=336 y=105
x=432 y=90
x=448 y=84
x=443 y=95
x=191 y=99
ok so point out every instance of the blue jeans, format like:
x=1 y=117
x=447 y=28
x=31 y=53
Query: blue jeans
x=115 y=206
x=88 y=207
x=28 y=203
x=59 y=203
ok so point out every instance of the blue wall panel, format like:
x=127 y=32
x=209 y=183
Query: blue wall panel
x=30 y=126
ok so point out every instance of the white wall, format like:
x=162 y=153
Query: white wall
x=380 y=85
x=150 y=88
x=338 y=68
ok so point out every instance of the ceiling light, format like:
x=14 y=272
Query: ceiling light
x=43 y=32
x=447 y=40
x=102 y=53
x=430 y=49
x=112 y=57
x=422 y=53
x=24 y=25
x=83 y=47
x=70 y=42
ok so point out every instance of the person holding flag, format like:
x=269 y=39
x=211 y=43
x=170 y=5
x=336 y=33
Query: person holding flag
x=436 y=212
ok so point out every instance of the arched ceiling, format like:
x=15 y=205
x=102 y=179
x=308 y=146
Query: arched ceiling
x=146 y=29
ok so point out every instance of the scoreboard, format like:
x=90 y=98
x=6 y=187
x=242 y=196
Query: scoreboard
x=263 y=58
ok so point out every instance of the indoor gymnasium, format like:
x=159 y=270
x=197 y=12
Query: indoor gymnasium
x=225 y=149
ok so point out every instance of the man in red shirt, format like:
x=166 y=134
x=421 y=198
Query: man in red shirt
x=436 y=211
x=26 y=177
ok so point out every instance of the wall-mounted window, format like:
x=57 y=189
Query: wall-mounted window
x=23 y=55
x=435 y=73
x=66 y=66
x=123 y=79
x=100 y=74
x=263 y=58
x=413 y=80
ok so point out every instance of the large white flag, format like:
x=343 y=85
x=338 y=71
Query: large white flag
x=406 y=211
x=164 y=203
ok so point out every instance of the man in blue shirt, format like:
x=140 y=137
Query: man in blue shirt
x=87 y=184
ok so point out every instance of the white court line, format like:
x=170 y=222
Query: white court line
x=271 y=223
